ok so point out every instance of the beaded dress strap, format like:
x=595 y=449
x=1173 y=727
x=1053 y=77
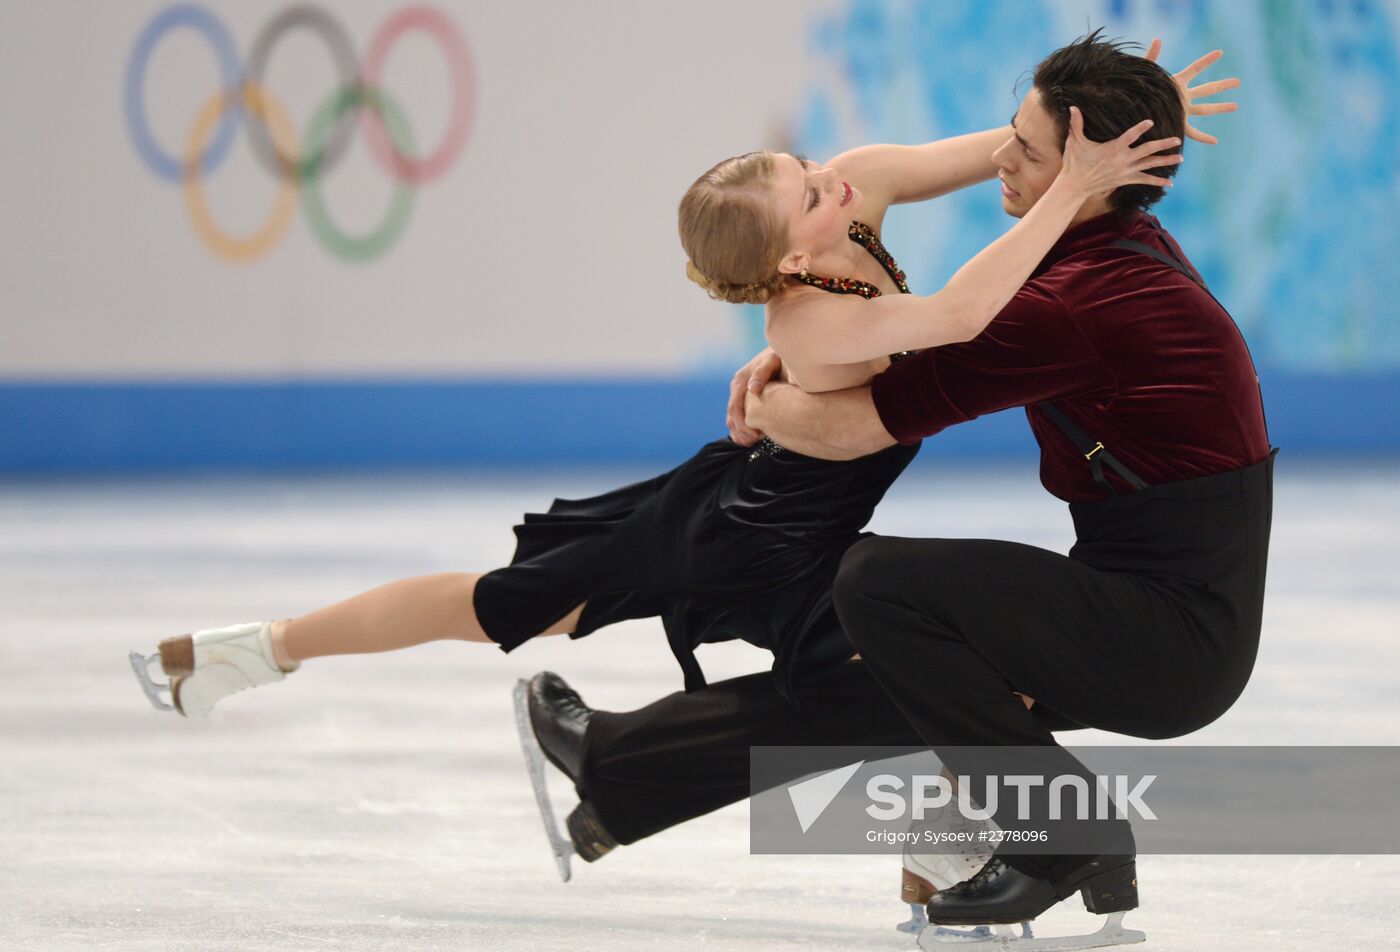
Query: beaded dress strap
x=863 y=235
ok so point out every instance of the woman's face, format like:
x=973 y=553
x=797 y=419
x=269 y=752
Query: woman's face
x=818 y=206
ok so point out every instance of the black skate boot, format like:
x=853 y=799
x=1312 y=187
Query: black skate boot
x=999 y=895
x=559 y=719
x=551 y=719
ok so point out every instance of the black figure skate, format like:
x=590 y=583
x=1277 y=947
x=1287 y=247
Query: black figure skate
x=999 y=895
x=551 y=719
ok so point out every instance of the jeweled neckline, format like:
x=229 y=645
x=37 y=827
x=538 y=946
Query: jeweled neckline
x=863 y=235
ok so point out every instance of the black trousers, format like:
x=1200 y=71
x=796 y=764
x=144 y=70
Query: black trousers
x=1149 y=627
x=687 y=754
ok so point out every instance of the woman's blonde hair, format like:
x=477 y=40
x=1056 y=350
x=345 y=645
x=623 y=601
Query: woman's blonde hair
x=731 y=231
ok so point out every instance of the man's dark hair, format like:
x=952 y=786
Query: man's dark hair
x=1115 y=91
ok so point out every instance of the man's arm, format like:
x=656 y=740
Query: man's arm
x=836 y=425
x=1034 y=351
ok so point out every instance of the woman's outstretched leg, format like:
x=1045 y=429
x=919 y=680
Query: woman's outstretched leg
x=211 y=664
x=401 y=614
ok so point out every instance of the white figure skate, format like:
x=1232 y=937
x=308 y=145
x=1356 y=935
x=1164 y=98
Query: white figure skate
x=928 y=866
x=209 y=665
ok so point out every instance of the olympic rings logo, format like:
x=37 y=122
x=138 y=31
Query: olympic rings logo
x=274 y=139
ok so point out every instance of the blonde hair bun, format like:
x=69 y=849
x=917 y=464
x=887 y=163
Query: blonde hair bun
x=758 y=293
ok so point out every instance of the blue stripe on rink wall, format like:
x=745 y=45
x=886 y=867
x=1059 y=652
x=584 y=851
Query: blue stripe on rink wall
x=52 y=427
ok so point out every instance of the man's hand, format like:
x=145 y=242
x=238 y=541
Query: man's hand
x=753 y=407
x=1189 y=93
x=751 y=378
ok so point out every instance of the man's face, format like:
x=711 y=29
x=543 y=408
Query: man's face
x=1029 y=161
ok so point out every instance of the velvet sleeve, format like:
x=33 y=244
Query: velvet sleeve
x=1033 y=351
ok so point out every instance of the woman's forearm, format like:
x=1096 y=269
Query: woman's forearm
x=983 y=286
x=978 y=291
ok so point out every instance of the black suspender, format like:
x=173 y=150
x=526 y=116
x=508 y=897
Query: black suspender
x=1093 y=449
x=1169 y=260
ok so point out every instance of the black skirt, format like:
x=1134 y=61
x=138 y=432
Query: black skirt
x=735 y=542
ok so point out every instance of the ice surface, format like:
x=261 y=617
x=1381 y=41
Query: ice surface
x=380 y=802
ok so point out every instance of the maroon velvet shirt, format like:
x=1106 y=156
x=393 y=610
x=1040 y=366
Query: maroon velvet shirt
x=1134 y=352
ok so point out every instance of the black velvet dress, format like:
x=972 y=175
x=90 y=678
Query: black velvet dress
x=736 y=542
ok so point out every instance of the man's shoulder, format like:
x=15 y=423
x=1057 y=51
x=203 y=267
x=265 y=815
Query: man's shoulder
x=1106 y=266
x=1044 y=292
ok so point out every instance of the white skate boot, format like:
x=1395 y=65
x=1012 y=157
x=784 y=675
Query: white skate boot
x=209 y=665
x=946 y=852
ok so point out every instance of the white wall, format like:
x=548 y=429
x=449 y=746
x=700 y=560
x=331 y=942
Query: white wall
x=549 y=249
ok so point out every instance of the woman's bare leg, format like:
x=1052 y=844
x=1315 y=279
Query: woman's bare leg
x=401 y=614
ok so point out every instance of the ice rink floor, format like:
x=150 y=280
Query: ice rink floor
x=380 y=802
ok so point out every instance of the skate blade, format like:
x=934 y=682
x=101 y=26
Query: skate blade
x=561 y=847
x=936 y=936
x=918 y=919
x=1003 y=937
x=141 y=665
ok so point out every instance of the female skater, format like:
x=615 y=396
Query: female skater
x=735 y=542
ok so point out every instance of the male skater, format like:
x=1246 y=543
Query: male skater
x=1144 y=401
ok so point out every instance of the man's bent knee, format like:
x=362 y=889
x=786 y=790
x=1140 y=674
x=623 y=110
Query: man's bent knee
x=862 y=567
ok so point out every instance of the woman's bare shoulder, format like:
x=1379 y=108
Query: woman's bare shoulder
x=802 y=311
x=797 y=304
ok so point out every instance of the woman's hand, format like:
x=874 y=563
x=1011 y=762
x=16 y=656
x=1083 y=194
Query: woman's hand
x=1096 y=168
x=750 y=378
x=1189 y=93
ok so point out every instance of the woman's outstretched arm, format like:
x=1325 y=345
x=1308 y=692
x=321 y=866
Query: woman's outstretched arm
x=895 y=174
